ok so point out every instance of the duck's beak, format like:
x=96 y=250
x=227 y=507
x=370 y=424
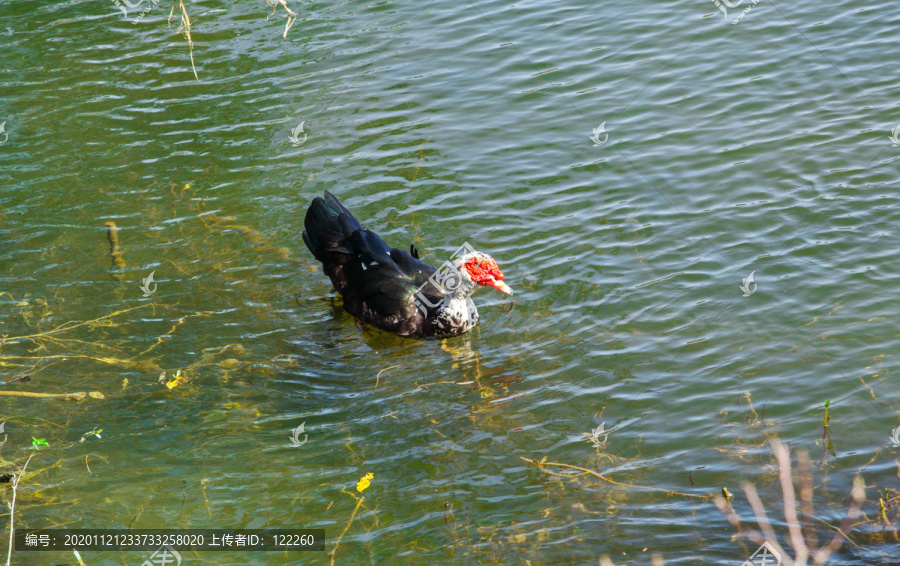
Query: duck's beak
x=501 y=286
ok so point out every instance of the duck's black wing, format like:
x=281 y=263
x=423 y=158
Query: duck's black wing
x=379 y=284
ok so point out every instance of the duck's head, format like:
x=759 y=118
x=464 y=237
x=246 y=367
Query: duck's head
x=481 y=269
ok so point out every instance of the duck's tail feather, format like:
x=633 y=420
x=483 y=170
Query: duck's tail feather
x=327 y=235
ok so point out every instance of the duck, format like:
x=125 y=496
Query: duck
x=392 y=289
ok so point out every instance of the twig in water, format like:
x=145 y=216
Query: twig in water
x=359 y=501
x=80 y=396
x=22 y=378
x=382 y=371
x=95 y=456
x=292 y=17
x=12 y=508
x=543 y=463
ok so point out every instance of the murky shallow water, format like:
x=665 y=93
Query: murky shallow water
x=759 y=147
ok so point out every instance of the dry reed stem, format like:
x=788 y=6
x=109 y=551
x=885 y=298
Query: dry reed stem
x=790 y=502
x=802 y=538
x=806 y=503
x=80 y=396
x=292 y=17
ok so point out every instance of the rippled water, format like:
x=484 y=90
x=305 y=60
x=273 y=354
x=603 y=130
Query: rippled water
x=761 y=146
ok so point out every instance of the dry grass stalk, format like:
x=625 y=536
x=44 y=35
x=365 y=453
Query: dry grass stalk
x=185 y=28
x=802 y=537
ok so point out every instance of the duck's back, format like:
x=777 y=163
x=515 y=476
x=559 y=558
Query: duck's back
x=378 y=283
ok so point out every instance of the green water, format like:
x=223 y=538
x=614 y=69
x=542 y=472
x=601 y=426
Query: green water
x=758 y=147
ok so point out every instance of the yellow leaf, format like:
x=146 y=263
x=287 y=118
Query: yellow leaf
x=179 y=379
x=364 y=482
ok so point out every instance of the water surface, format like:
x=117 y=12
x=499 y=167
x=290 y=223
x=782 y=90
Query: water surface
x=728 y=149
